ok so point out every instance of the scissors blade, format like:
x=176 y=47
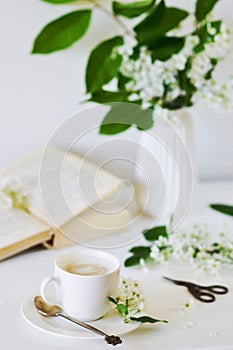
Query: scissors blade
x=179 y=283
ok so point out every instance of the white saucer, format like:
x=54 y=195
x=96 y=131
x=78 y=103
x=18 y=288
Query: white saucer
x=110 y=323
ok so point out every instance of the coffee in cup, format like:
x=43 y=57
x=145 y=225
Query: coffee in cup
x=85 y=269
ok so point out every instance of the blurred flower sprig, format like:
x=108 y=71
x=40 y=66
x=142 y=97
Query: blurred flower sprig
x=12 y=196
x=192 y=246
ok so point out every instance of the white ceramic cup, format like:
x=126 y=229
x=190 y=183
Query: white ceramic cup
x=83 y=296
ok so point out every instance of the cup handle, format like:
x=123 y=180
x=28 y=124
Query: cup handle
x=44 y=285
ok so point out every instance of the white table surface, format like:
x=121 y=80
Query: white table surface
x=22 y=274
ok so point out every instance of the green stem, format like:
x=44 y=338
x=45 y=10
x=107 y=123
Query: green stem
x=114 y=17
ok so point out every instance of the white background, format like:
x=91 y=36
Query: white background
x=38 y=92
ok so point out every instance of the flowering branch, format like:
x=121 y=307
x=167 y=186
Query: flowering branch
x=166 y=67
x=191 y=246
x=129 y=303
x=159 y=64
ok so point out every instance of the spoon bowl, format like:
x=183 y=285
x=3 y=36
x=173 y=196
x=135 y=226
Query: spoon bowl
x=46 y=309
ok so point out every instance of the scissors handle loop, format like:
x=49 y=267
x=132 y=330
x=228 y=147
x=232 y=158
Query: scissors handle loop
x=216 y=289
x=205 y=297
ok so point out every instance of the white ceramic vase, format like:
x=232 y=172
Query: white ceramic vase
x=165 y=174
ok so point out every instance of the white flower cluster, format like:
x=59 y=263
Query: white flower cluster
x=193 y=247
x=216 y=94
x=211 y=91
x=11 y=195
x=219 y=47
x=148 y=78
x=156 y=82
x=130 y=295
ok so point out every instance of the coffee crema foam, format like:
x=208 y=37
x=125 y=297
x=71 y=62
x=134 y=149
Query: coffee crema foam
x=85 y=269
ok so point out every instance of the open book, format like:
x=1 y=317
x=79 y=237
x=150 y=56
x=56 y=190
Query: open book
x=65 y=194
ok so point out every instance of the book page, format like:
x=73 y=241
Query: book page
x=16 y=226
x=60 y=185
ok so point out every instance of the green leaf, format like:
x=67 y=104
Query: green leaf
x=204 y=36
x=113 y=128
x=203 y=7
x=155 y=232
x=136 y=53
x=133 y=9
x=102 y=66
x=103 y=96
x=141 y=252
x=62 y=32
x=112 y=300
x=122 y=81
x=144 y=119
x=57 y=2
x=116 y=120
x=214 y=62
x=147 y=319
x=216 y=25
x=123 y=115
x=186 y=85
x=223 y=208
x=132 y=260
x=164 y=48
x=122 y=309
x=160 y=21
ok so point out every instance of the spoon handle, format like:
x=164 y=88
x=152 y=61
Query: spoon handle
x=110 y=339
x=83 y=324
